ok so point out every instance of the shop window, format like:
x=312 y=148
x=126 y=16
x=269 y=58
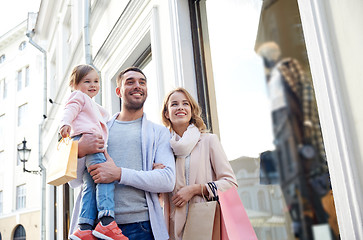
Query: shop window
x=265 y=109
x=19 y=233
x=152 y=105
x=146 y=64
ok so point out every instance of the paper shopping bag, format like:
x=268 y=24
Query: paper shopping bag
x=235 y=224
x=200 y=221
x=63 y=167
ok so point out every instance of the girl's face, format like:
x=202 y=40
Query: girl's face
x=179 y=110
x=89 y=84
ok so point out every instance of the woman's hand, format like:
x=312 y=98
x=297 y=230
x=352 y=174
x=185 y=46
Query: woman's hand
x=185 y=194
x=158 y=166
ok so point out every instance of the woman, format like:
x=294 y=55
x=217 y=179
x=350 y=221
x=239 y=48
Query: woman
x=199 y=159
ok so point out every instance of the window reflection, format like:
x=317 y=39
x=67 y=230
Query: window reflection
x=152 y=106
x=268 y=119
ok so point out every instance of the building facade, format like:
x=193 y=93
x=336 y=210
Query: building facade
x=20 y=117
x=211 y=48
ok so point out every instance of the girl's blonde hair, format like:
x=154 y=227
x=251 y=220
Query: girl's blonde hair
x=78 y=73
x=196 y=112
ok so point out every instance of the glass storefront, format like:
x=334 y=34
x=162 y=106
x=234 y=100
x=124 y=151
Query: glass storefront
x=266 y=115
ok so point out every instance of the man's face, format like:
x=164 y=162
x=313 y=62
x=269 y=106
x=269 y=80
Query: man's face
x=133 y=90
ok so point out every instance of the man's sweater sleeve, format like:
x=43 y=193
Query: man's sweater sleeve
x=158 y=180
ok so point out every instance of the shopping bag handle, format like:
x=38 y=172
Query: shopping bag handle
x=64 y=140
x=213 y=188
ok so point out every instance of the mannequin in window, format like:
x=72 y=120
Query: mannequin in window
x=293 y=100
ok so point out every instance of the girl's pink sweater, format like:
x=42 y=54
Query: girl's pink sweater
x=85 y=116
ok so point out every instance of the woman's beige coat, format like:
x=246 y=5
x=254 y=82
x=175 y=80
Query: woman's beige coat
x=208 y=162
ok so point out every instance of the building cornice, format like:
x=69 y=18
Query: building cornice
x=119 y=39
x=13 y=34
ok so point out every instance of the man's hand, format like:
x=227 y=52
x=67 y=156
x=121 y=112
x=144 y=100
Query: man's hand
x=90 y=143
x=106 y=172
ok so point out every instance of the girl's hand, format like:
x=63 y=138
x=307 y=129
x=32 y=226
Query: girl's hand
x=65 y=131
x=185 y=194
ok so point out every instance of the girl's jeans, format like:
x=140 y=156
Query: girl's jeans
x=95 y=197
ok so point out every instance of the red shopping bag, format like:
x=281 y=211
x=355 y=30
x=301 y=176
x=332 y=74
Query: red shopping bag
x=235 y=224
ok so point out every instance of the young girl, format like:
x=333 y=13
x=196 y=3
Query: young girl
x=199 y=159
x=83 y=115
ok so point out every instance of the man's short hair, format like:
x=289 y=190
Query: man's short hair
x=129 y=69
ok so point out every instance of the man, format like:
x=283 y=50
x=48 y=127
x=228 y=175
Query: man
x=134 y=144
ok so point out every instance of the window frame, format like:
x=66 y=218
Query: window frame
x=1 y=201
x=23 y=111
x=22 y=46
x=20 y=197
x=19 y=233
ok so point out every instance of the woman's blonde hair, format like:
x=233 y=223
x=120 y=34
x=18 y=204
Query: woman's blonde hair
x=196 y=112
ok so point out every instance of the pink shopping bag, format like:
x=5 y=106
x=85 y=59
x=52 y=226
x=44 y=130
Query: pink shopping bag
x=235 y=224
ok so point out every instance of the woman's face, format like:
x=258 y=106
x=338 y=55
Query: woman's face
x=179 y=111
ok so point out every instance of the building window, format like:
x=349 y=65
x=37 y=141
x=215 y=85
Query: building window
x=262 y=201
x=23 y=78
x=27 y=76
x=18 y=162
x=22 y=114
x=3 y=89
x=1 y=203
x=2 y=128
x=22 y=46
x=19 y=233
x=20 y=78
x=20 y=197
x=2 y=154
x=2 y=58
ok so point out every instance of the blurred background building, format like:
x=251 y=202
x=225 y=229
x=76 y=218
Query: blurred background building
x=278 y=82
x=20 y=116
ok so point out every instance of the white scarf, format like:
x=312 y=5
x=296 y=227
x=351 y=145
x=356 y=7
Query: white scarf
x=182 y=147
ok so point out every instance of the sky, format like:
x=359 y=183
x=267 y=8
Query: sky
x=14 y=12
